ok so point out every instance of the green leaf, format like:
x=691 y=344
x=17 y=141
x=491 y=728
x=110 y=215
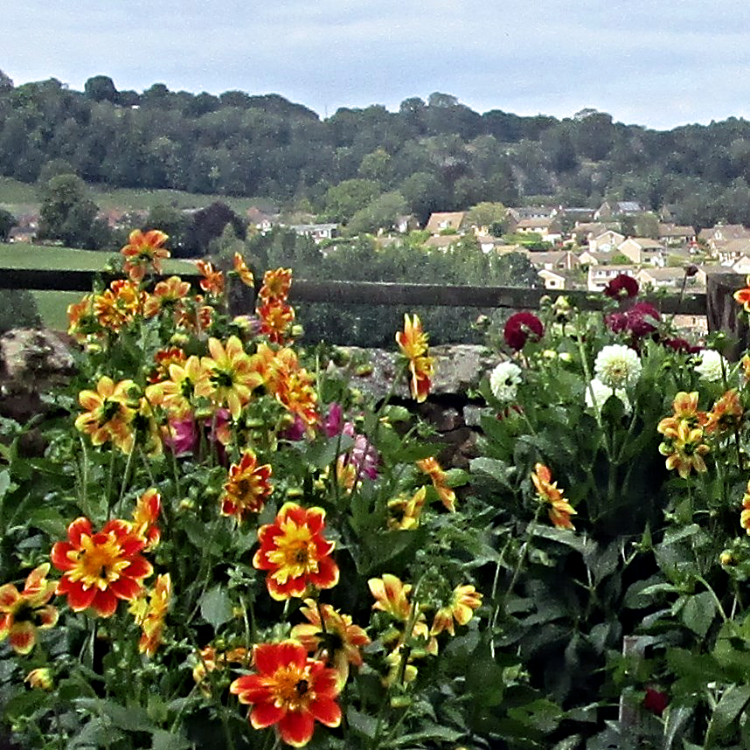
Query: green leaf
x=362 y=723
x=566 y=537
x=216 y=607
x=730 y=706
x=130 y=718
x=163 y=740
x=495 y=468
x=434 y=732
x=50 y=521
x=324 y=453
x=397 y=413
x=699 y=612
x=4 y=483
x=677 y=719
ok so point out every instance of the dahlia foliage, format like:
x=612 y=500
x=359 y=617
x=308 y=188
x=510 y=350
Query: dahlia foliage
x=194 y=561
x=615 y=458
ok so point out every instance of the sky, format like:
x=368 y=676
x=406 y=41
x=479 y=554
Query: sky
x=656 y=63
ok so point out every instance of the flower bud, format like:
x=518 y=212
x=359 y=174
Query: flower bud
x=40 y=678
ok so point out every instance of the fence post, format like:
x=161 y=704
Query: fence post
x=722 y=312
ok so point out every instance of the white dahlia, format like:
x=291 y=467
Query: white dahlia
x=712 y=365
x=617 y=366
x=504 y=381
x=597 y=392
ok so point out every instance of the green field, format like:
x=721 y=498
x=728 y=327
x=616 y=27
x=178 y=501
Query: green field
x=20 y=197
x=53 y=305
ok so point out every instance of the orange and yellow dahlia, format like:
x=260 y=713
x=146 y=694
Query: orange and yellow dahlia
x=295 y=553
x=560 y=509
x=213 y=279
x=144 y=253
x=289 y=690
x=228 y=377
x=460 y=609
x=247 y=488
x=334 y=638
x=109 y=413
x=24 y=612
x=150 y=612
x=100 y=568
x=743 y=295
x=413 y=343
x=432 y=468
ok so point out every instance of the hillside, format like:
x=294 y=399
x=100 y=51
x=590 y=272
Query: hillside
x=429 y=155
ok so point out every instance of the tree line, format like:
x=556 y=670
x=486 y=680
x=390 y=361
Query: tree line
x=431 y=154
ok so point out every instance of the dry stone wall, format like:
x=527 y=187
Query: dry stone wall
x=34 y=361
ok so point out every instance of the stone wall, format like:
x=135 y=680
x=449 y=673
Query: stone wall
x=33 y=361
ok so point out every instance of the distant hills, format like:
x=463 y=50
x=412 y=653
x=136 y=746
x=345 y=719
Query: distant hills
x=433 y=154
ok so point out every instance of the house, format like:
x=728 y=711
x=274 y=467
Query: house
x=559 y=280
x=589 y=259
x=742 y=265
x=406 y=224
x=442 y=241
x=578 y=215
x=531 y=212
x=672 y=234
x=599 y=276
x=610 y=209
x=22 y=234
x=549 y=229
x=706 y=271
x=666 y=278
x=606 y=242
x=262 y=221
x=318 y=232
x=561 y=260
x=488 y=243
x=643 y=251
x=727 y=252
x=719 y=233
x=450 y=220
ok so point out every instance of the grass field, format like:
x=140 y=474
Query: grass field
x=19 y=198
x=53 y=305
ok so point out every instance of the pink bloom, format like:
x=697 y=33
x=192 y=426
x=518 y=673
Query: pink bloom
x=183 y=436
x=362 y=455
x=296 y=430
x=334 y=422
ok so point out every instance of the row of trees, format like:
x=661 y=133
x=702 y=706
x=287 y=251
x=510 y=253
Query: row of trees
x=434 y=154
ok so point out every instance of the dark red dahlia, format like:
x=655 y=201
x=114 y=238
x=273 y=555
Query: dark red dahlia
x=655 y=701
x=521 y=327
x=681 y=346
x=622 y=287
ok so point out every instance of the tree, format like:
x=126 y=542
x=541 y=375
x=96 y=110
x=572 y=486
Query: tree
x=100 y=89
x=487 y=214
x=342 y=201
x=7 y=222
x=424 y=193
x=66 y=213
x=6 y=82
x=380 y=214
x=208 y=224
x=172 y=221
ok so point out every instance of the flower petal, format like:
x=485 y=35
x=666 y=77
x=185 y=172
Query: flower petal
x=296 y=728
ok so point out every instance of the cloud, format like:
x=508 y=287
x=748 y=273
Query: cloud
x=657 y=64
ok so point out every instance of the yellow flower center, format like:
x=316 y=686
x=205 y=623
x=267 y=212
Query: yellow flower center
x=97 y=564
x=294 y=553
x=290 y=687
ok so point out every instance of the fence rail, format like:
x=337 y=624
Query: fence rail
x=374 y=293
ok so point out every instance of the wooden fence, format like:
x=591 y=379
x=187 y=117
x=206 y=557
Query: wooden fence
x=717 y=303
